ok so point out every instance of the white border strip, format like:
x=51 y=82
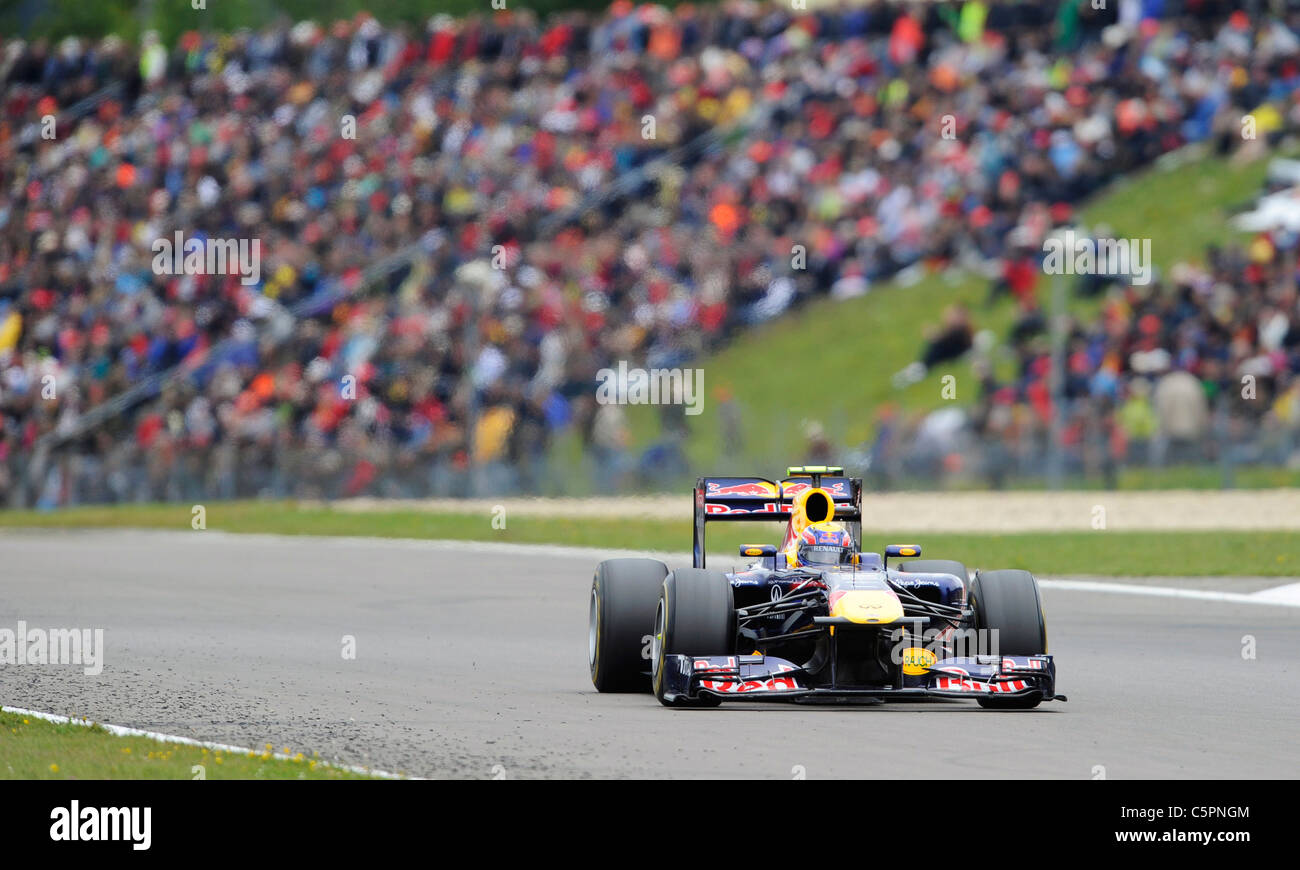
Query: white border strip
x=123 y=731
x=1264 y=596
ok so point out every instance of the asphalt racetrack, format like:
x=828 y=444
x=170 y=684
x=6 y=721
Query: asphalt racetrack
x=471 y=662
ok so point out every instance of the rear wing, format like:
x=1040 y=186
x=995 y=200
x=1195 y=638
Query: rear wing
x=757 y=499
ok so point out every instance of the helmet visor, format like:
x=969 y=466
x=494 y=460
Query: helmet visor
x=824 y=554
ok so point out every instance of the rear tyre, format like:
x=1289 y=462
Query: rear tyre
x=1008 y=601
x=696 y=616
x=624 y=594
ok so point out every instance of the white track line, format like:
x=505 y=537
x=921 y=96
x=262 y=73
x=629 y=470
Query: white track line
x=1279 y=596
x=429 y=545
x=123 y=731
x=1288 y=596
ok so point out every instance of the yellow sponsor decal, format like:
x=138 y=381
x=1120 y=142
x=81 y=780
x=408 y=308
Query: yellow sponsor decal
x=907 y=551
x=916 y=660
x=753 y=551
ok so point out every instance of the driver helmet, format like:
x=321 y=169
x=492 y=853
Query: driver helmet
x=825 y=543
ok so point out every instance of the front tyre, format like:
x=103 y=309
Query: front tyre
x=1009 y=602
x=624 y=594
x=696 y=616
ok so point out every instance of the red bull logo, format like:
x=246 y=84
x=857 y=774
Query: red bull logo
x=827 y=537
x=761 y=488
x=752 y=488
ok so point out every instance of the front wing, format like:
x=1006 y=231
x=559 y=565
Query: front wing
x=768 y=678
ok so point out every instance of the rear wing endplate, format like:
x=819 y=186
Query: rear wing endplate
x=757 y=499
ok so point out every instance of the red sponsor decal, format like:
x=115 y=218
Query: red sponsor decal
x=704 y=666
x=770 y=684
x=955 y=684
x=767 y=508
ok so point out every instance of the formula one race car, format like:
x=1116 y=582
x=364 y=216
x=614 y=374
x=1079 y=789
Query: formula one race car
x=816 y=619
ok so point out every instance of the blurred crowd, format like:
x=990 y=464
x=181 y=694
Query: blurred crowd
x=1199 y=367
x=515 y=168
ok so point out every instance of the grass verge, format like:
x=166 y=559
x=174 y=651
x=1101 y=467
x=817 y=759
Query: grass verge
x=32 y=748
x=1113 y=553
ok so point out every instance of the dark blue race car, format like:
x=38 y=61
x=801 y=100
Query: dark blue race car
x=815 y=619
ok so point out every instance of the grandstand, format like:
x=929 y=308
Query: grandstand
x=463 y=220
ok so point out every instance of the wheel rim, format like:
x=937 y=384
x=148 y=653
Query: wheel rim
x=657 y=642
x=593 y=625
